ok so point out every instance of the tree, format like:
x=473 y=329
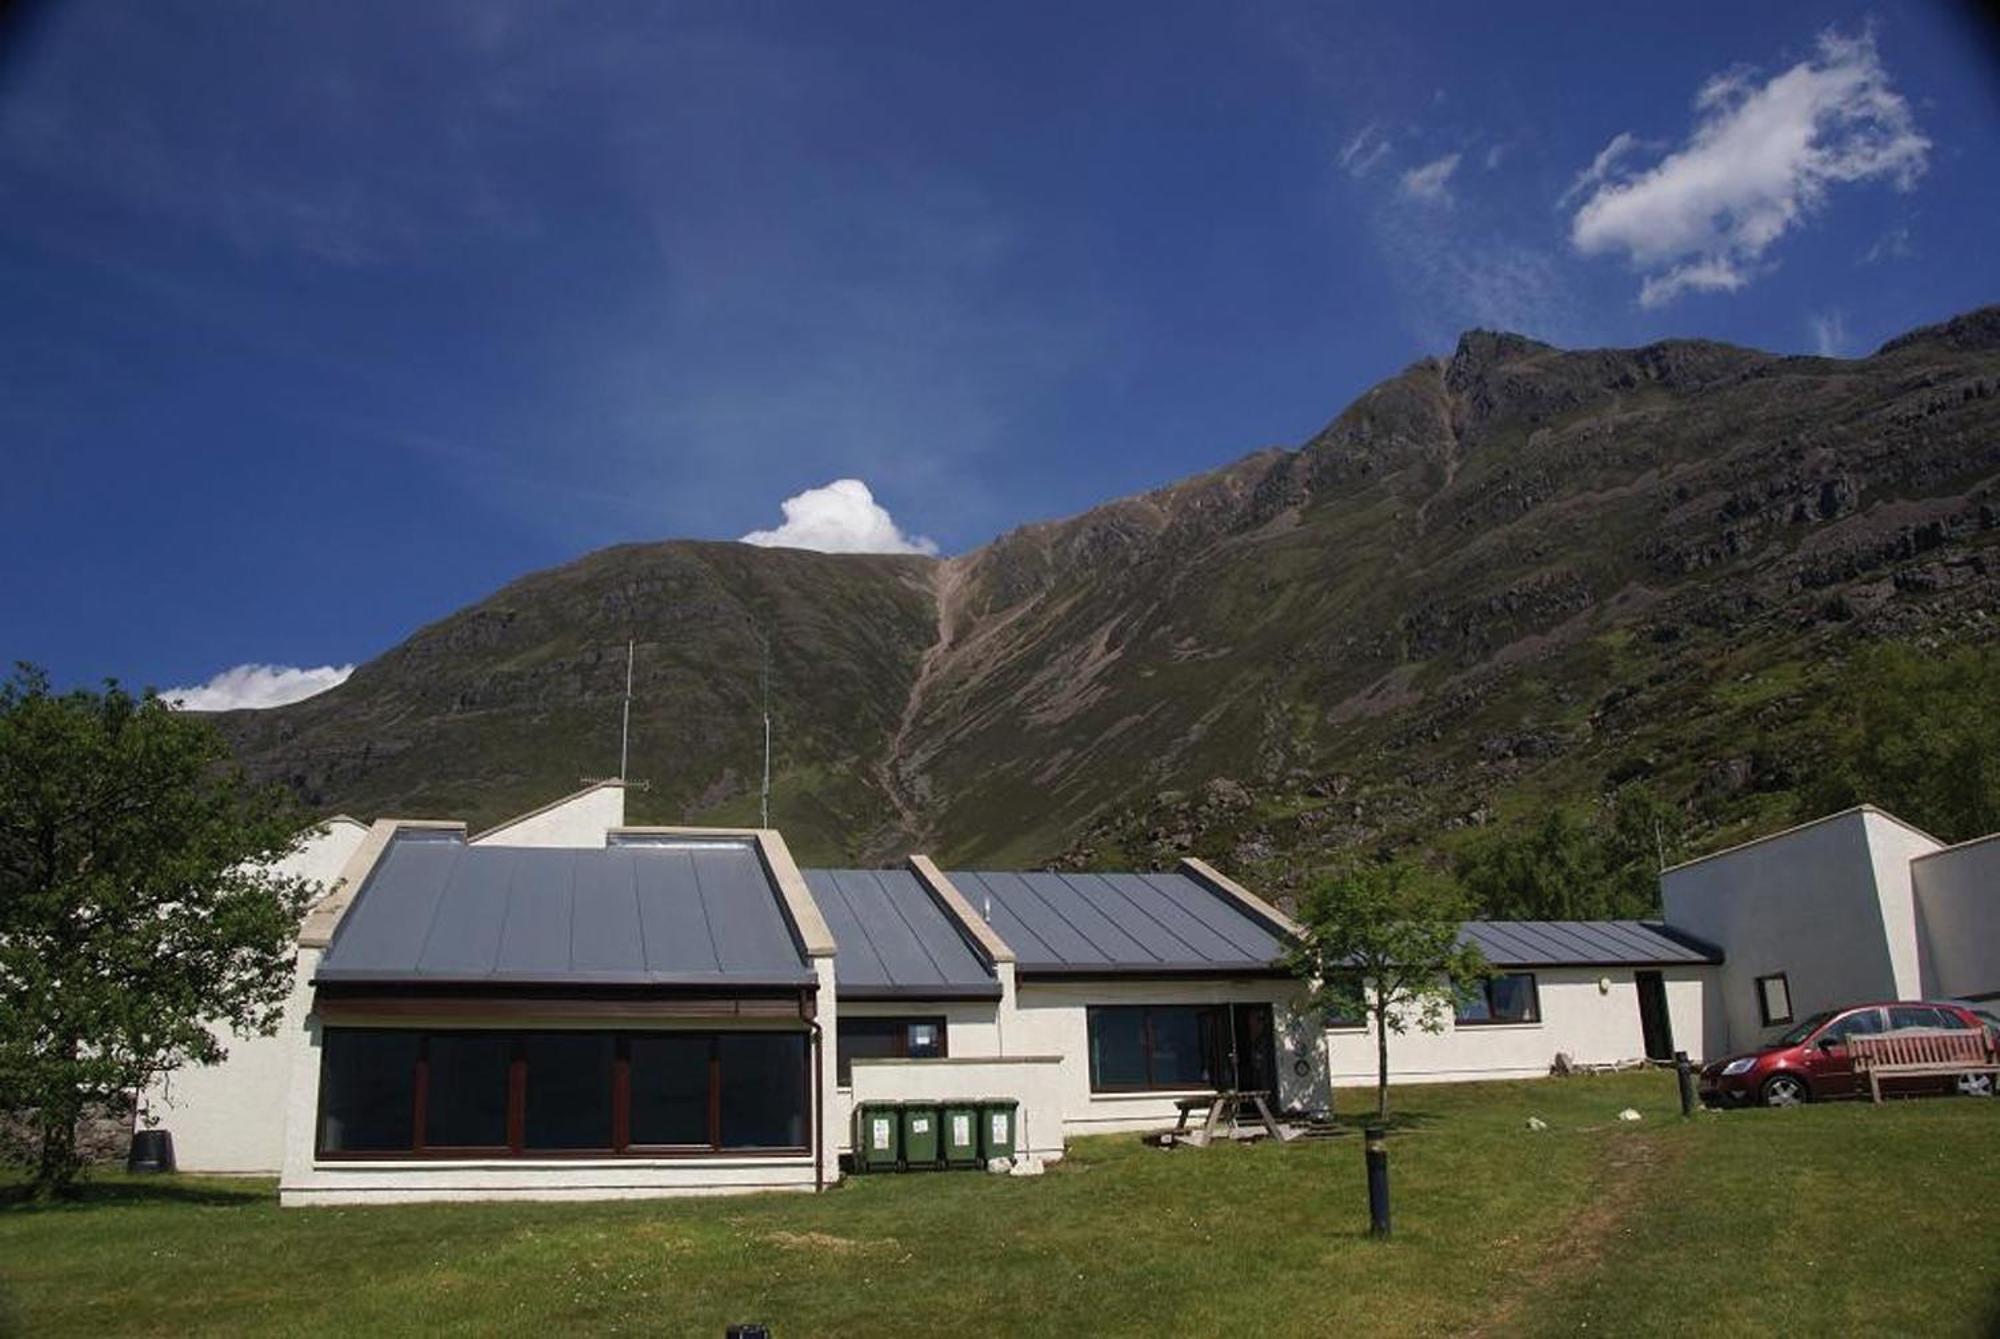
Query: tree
x=137 y=908
x=1563 y=868
x=1917 y=732
x=1381 y=942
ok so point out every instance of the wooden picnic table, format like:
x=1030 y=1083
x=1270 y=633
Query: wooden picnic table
x=1226 y=1104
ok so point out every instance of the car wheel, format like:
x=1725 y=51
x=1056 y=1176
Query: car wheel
x=1785 y=1090
x=1976 y=1085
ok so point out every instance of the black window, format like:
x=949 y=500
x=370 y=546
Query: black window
x=670 y=1085
x=466 y=1095
x=763 y=1092
x=452 y=1093
x=1922 y=1016
x=568 y=1089
x=367 y=1090
x=1774 y=999
x=1156 y=1046
x=1860 y=1023
x=886 y=1039
x=1510 y=997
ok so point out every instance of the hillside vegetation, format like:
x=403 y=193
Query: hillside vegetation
x=1514 y=580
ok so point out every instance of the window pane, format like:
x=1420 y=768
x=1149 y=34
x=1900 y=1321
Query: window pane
x=1473 y=1006
x=1865 y=1023
x=670 y=1089
x=569 y=1090
x=466 y=1102
x=1118 y=1048
x=367 y=1088
x=1776 y=997
x=763 y=1089
x=1913 y=1016
x=1183 y=1042
x=1513 y=997
x=866 y=1039
x=926 y=1040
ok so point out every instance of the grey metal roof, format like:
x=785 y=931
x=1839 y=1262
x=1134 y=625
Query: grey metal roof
x=895 y=941
x=1085 y=924
x=1586 y=944
x=437 y=910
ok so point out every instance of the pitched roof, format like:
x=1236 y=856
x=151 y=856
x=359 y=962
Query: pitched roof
x=895 y=940
x=1586 y=944
x=1089 y=924
x=435 y=909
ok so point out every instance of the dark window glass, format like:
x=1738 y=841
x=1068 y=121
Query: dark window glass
x=1349 y=1008
x=1508 y=998
x=763 y=1093
x=669 y=1078
x=1118 y=1048
x=367 y=1090
x=569 y=1089
x=467 y=1094
x=885 y=1039
x=1919 y=1016
x=1156 y=1046
x=1862 y=1023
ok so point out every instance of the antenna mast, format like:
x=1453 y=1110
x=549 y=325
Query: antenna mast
x=764 y=797
x=625 y=727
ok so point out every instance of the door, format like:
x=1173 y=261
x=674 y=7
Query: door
x=1828 y=1065
x=1655 y=1024
x=1254 y=1043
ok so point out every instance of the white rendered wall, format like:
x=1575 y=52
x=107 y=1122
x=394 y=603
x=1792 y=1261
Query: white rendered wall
x=1050 y=1019
x=229 y=1117
x=578 y=821
x=1891 y=848
x=1804 y=902
x=1590 y=1014
x=1958 y=914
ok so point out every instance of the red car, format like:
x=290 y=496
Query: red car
x=1810 y=1063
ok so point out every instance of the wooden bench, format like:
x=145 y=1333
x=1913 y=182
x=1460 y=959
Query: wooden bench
x=1929 y=1053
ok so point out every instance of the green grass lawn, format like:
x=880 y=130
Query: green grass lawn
x=1834 y=1219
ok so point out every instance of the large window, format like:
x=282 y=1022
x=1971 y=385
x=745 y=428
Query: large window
x=1157 y=1046
x=887 y=1039
x=406 y=1092
x=1774 y=999
x=1508 y=998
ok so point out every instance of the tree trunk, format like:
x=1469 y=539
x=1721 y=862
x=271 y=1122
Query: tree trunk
x=56 y=1168
x=1381 y=1059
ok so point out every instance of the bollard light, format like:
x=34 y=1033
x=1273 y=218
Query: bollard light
x=1375 y=1139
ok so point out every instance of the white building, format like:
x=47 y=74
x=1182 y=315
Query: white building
x=567 y=1007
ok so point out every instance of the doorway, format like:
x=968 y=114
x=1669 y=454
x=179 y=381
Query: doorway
x=1253 y=1044
x=1655 y=1024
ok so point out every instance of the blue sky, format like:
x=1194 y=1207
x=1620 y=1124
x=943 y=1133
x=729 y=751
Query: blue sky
x=318 y=322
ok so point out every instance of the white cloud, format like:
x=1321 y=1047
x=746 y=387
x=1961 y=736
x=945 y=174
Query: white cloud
x=1363 y=151
x=1601 y=167
x=1496 y=155
x=842 y=517
x=1431 y=182
x=258 y=686
x=1891 y=245
x=1829 y=333
x=1760 y=158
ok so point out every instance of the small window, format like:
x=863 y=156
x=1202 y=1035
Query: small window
x=886 y=1039
x=1349 y=1008
x=1774 y=999
x=1510 y=997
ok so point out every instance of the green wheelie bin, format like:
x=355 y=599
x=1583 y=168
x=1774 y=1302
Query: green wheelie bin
x=958 y=1123
x=920 y=1136
x=878 y=1137
x=999 y=1130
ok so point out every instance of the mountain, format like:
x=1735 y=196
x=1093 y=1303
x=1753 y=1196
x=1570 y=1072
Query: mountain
x=1516 y=576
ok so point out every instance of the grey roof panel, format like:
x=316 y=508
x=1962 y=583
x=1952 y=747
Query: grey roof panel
x=443 y=911
x=1119 y=923
x=1585 y=944
x=893 y=939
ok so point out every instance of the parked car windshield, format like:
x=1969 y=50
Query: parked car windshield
x=1800 y=1031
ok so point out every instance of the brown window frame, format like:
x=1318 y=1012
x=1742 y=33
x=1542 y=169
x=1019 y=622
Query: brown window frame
x=517 y=1097
x=1217 y=1058
x=1763 y=1005
x=902 y=1023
